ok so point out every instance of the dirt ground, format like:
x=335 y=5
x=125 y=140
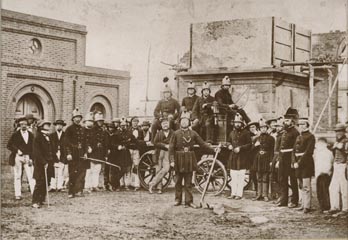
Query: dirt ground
x=140 y=215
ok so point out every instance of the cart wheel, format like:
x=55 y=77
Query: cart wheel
x=147 y=171
x=218 y=178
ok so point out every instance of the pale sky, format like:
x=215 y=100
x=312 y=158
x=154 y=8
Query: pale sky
x=121 y=31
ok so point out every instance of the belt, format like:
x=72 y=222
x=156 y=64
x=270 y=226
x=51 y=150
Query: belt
x=184 y=149
x=262 y=152
x=299 y=154
x=286 y=150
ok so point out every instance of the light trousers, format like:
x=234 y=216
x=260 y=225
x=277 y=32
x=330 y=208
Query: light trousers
x=58 y=180
x=92 y=175
x=162 y=168
x=20 y=162
x=305 y=188
x=237 y=182
x=132 y=179
x=339 y=187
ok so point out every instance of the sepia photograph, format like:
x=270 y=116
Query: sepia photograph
x=174 y=119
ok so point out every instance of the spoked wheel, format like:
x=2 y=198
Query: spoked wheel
x=218 y=179
x=147 y=171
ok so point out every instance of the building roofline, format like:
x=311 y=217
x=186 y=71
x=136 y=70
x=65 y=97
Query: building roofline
x=43 y=22
x=191 y=72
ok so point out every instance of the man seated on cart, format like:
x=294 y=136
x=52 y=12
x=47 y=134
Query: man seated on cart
x=224 y=98
x=167 y=107
x=203 y=114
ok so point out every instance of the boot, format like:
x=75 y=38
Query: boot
x=265 y=191
x=259 y=192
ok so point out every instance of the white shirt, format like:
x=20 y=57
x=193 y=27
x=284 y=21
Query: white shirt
x=25 y=136
x=323 y=160
x=59 y=134
x=166 y=133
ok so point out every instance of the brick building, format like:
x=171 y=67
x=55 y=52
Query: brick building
x=43 y=72
x=249 y=51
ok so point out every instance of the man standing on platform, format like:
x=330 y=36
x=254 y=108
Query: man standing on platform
x=287 y=143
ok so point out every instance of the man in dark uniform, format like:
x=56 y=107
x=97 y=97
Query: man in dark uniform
x=264 y=146
x=275 y=188
x=203 y=114
x=167 y=107
x=224 y=98
x=240 y=145
x=58 y=144
x=303 y=163
x=43 y=155
x=75 y=150
x=285 y=157
x=100 y=150
x=111 y=130
x=182 y=157
x=189 y=101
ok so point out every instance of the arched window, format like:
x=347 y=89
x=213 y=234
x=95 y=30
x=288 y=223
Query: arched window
x=98 y=107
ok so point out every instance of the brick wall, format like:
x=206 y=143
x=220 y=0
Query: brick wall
x=52 y=74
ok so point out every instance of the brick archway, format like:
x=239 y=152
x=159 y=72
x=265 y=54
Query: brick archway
x=40 y=92
x=105 y=102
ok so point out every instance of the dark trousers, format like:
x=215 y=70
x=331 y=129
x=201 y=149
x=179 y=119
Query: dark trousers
x=253 y=178
x=187 y=177
x=275 y=188
x=116 y=176
x=285 y=171
x=39 y=193
x=106 y=175
x=323 y=183
x=77 y=174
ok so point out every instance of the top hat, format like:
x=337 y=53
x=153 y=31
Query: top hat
x=291 y=113
x=59 y=122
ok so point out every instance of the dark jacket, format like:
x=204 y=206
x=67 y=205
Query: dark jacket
x=75 y=143
x=264 y=153
x=199 y=111
x=188 y=102
x=42 y=154
x=59 y=145
x=17 y=142
x=138 y=141
x=181 y=150
x=287 y=141
x=223 y=97
x=164 y=108
x=305 y=144
x=161 y=140
x=100 y=144
x=121 y=157
x=242 y=139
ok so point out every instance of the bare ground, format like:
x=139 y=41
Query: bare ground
x=140 y=215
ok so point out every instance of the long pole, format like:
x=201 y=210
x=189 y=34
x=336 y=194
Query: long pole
x=147 y=79
x=328 y=99
x=311 y=94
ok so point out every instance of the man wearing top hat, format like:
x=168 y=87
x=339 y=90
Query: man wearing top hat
x=75 y=150
x=203 y=114
x=167 y=107
x=286 y=150
x=21 y=147
x=239 y=144
x=182 y=157
x=58 y=145
x=43 y=156
x=303 y=163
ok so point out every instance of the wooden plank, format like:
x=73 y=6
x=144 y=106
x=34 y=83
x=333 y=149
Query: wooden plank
x=283 y=52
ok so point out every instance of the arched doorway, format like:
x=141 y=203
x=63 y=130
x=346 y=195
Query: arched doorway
x=98 y=107
x=30 y=104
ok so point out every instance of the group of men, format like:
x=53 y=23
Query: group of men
x=274 y=151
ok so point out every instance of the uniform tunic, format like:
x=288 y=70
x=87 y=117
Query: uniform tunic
x=100 y=143
x=122 y=157
x=264 y=153
x=181 y=150
x=167 y=107
x=202 y=113
x=239 y=138
x=304 y=144
x=75 y=142
x=188 y=102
